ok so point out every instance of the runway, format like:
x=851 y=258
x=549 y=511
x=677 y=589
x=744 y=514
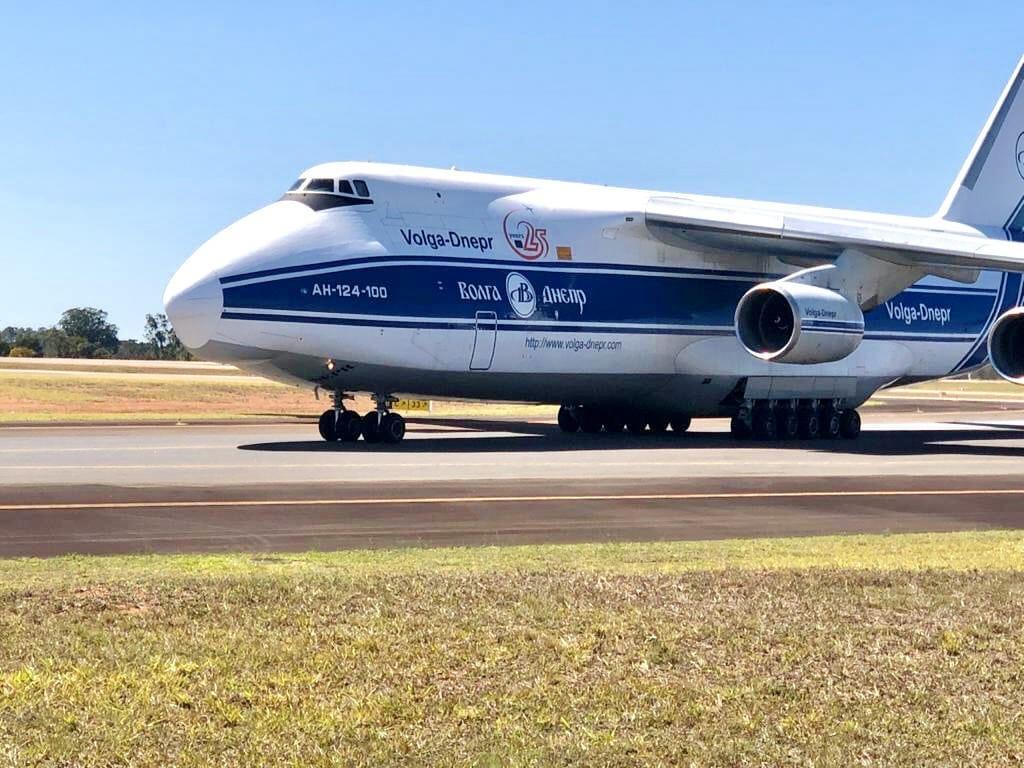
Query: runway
x=121 y=489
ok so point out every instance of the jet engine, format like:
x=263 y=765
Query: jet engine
x=790 y=322
x=1006 y=345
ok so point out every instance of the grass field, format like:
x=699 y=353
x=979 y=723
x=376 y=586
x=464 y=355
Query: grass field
x=34 y=391
x=40 y=391
x=880 y=650
x=42 y=397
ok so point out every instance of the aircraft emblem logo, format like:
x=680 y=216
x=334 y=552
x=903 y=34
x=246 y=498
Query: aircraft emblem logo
x=524 y=238
x=1020 y=155
x=521 y=296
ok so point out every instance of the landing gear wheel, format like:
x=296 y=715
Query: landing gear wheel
x=349 y=426
x=680 y=423
x=328 y=425
x=636 y=425
x=590 y=420
x=613 y=422
x=567 y=420
x=371 y=427
x=739 y=429
x=392 y=428
x=787 y=424
x=830 y=426
x=658 y=424
x=849 y=424
x=810 y=425
x=765 y=425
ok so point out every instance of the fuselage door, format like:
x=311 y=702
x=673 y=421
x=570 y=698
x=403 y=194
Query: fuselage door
x=483 y=341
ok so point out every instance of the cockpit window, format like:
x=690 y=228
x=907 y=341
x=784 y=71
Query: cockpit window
x=321 y=194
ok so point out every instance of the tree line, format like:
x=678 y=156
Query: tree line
x=86 y=332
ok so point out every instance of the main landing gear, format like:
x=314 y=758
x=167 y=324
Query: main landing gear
x=378 y=426
x=760 y=419
x=791 y=419
x=592 y=419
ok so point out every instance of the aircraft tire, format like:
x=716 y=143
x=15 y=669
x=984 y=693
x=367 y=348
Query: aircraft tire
x=371 y=427
x=658 y=424
x=591 y=420
x=567 y=421
x=787 y=424
x=810 y=425
x=680 y=423
x=349 y=426
x=765 y=425
x=830 y=423
x=739 y=429
x=636 y=425
x=392 y=428
x=614 y=423
x=849 y=424
x=328 y=426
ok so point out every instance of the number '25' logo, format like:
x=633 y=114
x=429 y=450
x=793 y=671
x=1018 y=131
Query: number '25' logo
x=524 y=238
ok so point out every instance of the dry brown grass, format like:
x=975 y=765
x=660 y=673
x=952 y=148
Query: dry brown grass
x=84 y=396
x=42 y=397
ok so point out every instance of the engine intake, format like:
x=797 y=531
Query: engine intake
x=788 y=322
x=1006 y=345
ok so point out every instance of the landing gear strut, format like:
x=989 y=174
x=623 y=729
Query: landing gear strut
x=378 y=426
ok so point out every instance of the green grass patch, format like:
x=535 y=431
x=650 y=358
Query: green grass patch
x=894 y=650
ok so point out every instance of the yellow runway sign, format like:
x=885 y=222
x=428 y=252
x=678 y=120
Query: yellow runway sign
x=412 y=405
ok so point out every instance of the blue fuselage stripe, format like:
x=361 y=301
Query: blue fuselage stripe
x=448 y=293
x=510 y=265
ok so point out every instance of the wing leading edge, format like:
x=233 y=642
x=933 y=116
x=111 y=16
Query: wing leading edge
x=764 y=231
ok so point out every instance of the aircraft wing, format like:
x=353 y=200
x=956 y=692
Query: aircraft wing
x=762 y=231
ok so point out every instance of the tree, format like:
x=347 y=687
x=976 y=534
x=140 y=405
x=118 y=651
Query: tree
x=158 y=329
x=27 y=338
x=56 y=343
x=90 y=324
x=161 y=335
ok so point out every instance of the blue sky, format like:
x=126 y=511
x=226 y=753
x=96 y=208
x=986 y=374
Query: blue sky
x=132 y=132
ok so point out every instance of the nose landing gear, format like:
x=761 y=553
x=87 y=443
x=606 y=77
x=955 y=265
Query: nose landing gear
x=379 y=426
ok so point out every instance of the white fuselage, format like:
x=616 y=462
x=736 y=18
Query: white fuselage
x=451 y=284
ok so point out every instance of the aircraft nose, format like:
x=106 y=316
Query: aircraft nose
x=194 y=299
x=193 y=302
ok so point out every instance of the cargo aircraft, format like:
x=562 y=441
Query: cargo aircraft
x=630 y=309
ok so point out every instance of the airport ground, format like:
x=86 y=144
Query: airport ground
x=170 y=479
x=671 y=600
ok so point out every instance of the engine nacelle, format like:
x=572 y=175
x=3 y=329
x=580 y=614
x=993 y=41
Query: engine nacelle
x=1006 y=345
x=790 y=322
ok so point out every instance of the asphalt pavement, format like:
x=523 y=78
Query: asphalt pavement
x=264 y=487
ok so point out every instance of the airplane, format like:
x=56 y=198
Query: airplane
x=629 y=309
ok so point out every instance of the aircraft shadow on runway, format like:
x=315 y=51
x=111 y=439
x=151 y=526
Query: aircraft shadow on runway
x=527 y=437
